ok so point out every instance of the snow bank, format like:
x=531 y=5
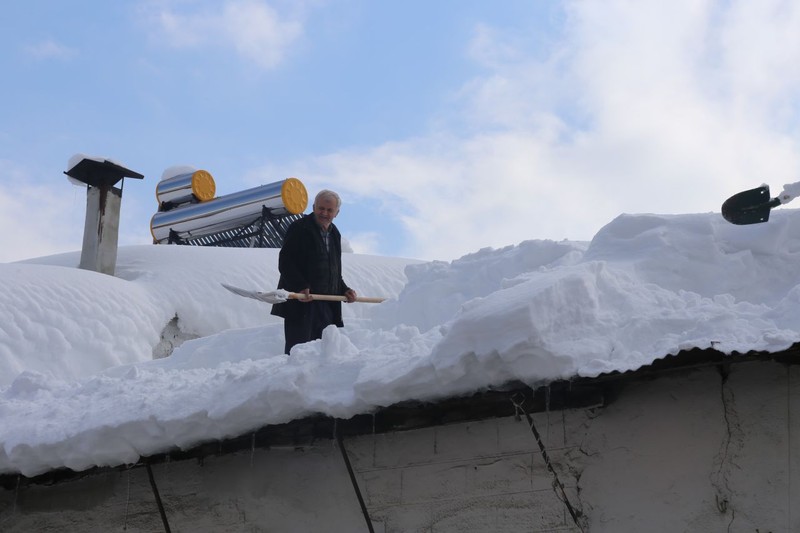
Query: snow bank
x=81 y=390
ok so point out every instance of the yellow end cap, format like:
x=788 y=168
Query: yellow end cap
x=294 y=196
x=203 y=186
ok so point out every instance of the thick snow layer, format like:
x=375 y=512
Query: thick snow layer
x=76 y=347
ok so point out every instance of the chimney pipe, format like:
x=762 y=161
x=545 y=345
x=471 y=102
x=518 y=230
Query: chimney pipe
x=103 y=201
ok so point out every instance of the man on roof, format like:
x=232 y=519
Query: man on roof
x=310 y=262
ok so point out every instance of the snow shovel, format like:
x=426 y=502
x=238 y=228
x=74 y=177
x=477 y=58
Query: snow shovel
x=753 y=206
x=279 y=296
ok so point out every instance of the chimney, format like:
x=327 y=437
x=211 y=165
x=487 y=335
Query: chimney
x=103 y=200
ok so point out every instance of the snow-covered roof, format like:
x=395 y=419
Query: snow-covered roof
x=79 y=386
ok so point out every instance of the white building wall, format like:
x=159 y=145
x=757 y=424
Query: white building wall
x=686 y=451
x=480 y=476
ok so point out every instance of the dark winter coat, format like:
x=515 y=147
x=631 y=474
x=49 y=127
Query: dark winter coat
x=304 y=263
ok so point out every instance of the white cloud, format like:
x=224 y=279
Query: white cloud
x=665 y=107
x=761 y=41
x=367 y=242
x=490 y=49
x=50 y=49
x=38 y=220
x=252 y=28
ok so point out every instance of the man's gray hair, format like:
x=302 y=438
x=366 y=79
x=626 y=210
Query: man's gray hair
x=330 y=195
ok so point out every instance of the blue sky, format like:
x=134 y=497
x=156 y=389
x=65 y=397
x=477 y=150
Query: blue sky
x=447 y=126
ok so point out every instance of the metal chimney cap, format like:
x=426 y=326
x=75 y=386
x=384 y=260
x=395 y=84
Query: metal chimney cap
x=100 y=173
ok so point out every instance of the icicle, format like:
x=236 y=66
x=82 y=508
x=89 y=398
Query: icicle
x=252 y=449
x=16 y=495
x=127 y=502
x=374 y=441
x=547 y=409
x=335 y=422
x=547 y=398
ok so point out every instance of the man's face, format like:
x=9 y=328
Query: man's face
x=325 y=210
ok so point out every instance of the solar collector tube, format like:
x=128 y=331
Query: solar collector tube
x=287 y=197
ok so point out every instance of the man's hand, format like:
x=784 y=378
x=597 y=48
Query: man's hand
x=350 y=295
x=306 y=295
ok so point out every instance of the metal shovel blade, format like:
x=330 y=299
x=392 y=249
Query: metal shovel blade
x=749 y=207
x=279 y=296
x=271 y=297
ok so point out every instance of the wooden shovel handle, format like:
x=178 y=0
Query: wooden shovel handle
x=334 y=298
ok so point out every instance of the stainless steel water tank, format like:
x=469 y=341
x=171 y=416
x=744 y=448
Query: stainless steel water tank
x=287 y=197
x=197 y=186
